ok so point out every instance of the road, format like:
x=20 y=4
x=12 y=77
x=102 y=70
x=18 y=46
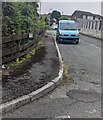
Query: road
x=81 y=98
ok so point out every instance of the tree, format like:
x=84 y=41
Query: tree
x=55 y=14
x=19 y=17
x=64 y=18
x=8 y=18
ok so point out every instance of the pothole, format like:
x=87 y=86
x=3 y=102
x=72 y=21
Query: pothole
x=84 y=95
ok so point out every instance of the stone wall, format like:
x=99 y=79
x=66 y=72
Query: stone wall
x=91 y=27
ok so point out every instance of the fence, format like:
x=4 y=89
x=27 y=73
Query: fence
x=19 y=45
x=91 y=27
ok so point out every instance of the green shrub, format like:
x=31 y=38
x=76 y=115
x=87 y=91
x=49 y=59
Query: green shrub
x=19 y=17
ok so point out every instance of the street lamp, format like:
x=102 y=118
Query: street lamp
x=39 y=8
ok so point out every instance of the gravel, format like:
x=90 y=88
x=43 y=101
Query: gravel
x=33 y=74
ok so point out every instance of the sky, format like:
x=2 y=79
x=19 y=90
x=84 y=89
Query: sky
x=69 y=6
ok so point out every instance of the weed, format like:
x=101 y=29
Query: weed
x=66 y=77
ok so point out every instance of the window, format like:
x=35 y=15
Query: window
x=68 y=26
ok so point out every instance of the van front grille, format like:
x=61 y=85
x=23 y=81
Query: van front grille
x=73 y=35
x=65 y=35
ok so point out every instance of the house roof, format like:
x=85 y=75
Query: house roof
x=79 y=14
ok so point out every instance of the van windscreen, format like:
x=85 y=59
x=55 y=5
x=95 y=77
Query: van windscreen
x=68 y=26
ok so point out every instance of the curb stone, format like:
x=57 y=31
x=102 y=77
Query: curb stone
x=42 y=91
x=14 y=104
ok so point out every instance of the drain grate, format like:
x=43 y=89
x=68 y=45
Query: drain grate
x=84 y=96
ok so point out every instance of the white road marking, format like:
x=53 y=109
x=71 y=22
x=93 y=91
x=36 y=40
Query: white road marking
x=95 y=46
x=64 y=116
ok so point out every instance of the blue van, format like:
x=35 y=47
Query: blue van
x=67 y=31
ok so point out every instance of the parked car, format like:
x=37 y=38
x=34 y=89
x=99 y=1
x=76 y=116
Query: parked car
x=67 y=31
x=54 y=26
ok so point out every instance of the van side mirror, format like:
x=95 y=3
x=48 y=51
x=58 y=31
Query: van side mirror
x=79 y=29
x=56 y=28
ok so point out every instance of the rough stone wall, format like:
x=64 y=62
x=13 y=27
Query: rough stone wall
x=91 y=27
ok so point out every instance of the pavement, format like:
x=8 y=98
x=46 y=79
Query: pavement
x=77 y=97
x=92 y=33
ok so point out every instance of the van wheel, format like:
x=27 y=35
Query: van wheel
x=77 y=42
x=57 y=40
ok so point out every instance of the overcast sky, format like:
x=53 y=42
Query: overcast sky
x=69 y=7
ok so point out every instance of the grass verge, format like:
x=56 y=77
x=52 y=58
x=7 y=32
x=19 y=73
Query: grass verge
x=66 y=76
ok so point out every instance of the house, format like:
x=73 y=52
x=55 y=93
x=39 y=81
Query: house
x=85 y=15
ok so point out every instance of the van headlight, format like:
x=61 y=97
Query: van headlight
x=60 y=33
x=77 y=34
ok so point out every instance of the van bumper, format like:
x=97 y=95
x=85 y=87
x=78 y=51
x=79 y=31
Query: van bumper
x=73 y=39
